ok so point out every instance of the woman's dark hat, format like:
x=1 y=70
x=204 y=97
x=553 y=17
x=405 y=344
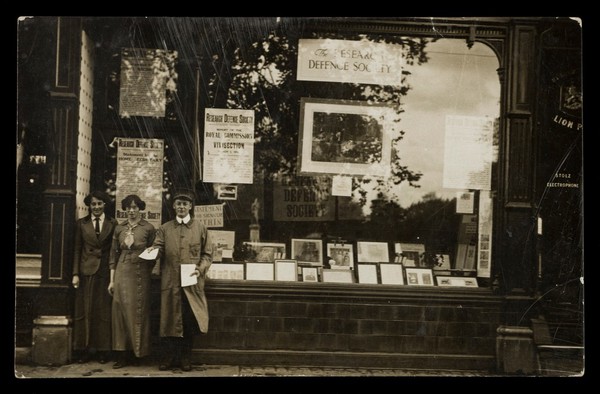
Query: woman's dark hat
x=184 y=194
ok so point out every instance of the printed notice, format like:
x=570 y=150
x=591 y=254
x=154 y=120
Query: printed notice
x=341 y=186
x=228 y=145
x=349 y=61
x=144 y=82
x=187 y=279
x=465 y=202
x=209 y=215
x=468 y=152
x=140 y=171
x=485 y=235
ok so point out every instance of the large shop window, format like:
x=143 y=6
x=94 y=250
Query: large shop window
x=377 y=155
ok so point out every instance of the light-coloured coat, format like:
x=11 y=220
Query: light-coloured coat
x=182 y=244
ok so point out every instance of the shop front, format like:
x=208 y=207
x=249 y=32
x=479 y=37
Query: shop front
x=378 y=192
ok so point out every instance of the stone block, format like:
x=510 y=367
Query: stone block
x=51 y=340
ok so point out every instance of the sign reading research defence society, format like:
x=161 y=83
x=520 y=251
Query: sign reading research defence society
x=228 y=145
x=140 y=171
x=349 y=61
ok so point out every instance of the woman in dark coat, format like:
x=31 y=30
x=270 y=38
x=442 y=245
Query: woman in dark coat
x=92 y=333
x=130 y=284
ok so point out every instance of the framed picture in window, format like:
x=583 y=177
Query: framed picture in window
x=227 y=192
x=345 y=137
x=367 y=273
x=372 y=252
x=442 y=264
x=307 y=251
x=341 y=255
x=451 y=281
x=391 y=274
x=227 y=271
x=419 y=277
x=409 y=254
x=266 y=252
x=338 y=276
x=259 y=271
x=286 y=270
x=221 y=240
x=310 y=274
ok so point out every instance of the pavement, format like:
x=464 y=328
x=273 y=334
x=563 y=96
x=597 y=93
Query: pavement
x=25 y=370
x=94 y=369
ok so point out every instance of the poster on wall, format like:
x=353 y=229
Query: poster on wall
x=468 y=152
x=349 y=61
x=228 y=145
x=209 y=215
x=140 y=171
x=303 y=198
x=146 y=75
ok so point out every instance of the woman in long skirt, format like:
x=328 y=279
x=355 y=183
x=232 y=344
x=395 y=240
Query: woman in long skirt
x=130 y=284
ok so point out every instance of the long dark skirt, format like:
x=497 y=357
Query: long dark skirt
x=131 y=306
x=92 y=317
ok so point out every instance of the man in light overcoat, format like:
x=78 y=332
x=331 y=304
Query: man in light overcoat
x=183 y=310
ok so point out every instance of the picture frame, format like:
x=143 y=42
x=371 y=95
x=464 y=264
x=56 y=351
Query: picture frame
x=342 y=255
x=221 y=240
x=419 y=276
x=226 y=271
x=307 y=251
x=345 y=137
x=310 y=274
x=260 y=271
x=286 y=270
x=391 y=274
x=266 y=252
x=442 y=265
x=337 y=276
x=227 y=192
x=372 y=252
x=367 y=273
x=409 y=254
x=453 y=281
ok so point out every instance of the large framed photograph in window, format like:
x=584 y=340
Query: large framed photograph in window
x=345 y=137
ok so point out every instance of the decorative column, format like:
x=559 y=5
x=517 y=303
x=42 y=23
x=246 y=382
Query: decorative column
x=52 y=327
x=516 y=265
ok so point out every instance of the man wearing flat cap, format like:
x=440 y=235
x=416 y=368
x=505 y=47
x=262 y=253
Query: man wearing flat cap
x=183 y=310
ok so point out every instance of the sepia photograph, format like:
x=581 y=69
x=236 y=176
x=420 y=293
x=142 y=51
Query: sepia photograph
x=396 y=196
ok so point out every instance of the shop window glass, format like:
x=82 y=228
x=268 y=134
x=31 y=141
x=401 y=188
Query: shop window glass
x=434 y=204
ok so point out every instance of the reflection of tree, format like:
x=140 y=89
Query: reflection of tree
x=431 y=221
x=260 y=75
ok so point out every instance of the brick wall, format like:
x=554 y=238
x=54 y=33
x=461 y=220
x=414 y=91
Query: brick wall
x=333 y=324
